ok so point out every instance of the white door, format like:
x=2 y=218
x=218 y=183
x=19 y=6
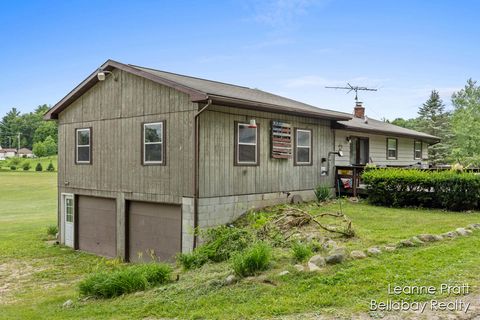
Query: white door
x=68 y=218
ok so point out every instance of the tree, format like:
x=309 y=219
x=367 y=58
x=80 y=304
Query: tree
x=45 y=129
x=10 y=126
x=50 y=146
x=466 y=124
x=434 y=120
x=406 y=123
x=39 y=149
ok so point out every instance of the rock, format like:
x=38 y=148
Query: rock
x=357 y=254
x=426 y=237
x=335 y=258
x=312 y=267
x=450 y=235
x=416 y=241
x=373 y=251
x=296 y=199
x=353 y=199
x=462 y=232
x=230 y=279
x=474 y=226
x=68 y=304
x=406 y=243
x=469 y=231
x=329 y=245
x=299 y=267
x=284 y=273
x=389 y=248
x=317 y=260
x=437 y=237
x=340 y=250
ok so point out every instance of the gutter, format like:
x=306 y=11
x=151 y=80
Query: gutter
x=196 y=164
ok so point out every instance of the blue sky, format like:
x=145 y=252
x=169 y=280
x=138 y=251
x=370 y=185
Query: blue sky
x=289 y=47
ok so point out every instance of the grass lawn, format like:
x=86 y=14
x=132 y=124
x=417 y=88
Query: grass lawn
x=37 y=278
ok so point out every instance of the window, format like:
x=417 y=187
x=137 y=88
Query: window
x=359 y=150
x=83 y=146
x=246 y=140
x=303 y=147
x=392 y=148
x=417 y=150
x=153 y=143
x=69 y=209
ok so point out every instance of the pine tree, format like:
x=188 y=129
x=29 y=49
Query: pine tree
x=434 y=120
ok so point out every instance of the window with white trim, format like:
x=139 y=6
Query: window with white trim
x=392 y=148
x=153 y=143
x=303 y=147
x=246 y=144
x=417 y=150
x=83 y=146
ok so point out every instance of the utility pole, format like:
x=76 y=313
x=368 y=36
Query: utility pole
x=18 y=145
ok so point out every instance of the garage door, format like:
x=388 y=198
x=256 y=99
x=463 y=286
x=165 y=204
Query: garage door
x=97 y=225
x=154 y=231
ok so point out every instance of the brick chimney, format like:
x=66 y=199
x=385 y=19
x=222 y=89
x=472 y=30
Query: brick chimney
x=359 y=110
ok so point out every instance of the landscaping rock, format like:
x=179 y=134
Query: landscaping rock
x=469 y=231
x=474 y=226
x=335 y=258
x=329 y=245
x=284 y=273
x=339 y=250
x=231 y=279
x=450 y=235
x=312 y=267
x=438 y=237
x=67 y=304
x=296 y=199
x=406 y=243
x=299 y=267
x=416 y=241
x=317 y=260
x=389 y=248
x=373 y=251
x=357 y=254
x=462 y=231
x=427 y=237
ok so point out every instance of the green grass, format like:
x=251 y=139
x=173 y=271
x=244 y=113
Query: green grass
x=42 y=277
x=5 y=164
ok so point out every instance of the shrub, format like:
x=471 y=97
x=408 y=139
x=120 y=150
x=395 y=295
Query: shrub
x=322 y=192
x=13 y=167
x=436 y=189
x=219 y=244
x=38 y=167
x=126 y=280
x=52 y=230
x=252 y=260
x=15 y=161
x=50 y=167
x=301 y=251
x=26 y=165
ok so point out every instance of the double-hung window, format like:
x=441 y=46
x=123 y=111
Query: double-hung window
x=417 y=150
x=83 y=147
x=392 y=148
x=154 y=143
x=246 y=144
x=303 y=147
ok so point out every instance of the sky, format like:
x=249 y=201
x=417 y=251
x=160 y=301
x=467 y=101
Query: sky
x=292 y=48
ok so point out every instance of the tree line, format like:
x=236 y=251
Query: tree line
x=29 y=130
x=458 y=129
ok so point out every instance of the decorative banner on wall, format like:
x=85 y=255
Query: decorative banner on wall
x=281 y=140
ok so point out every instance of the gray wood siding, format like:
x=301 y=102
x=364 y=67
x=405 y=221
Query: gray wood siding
x=218 y=175
x=116 y=110
x=378 y=149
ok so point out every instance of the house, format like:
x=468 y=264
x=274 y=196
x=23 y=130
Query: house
x=146 y=156
x=365 y=140
x=7 y=153
x=25 y=153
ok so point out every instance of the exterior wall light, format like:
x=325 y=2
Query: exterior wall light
x=252 y=123
x=102 y=74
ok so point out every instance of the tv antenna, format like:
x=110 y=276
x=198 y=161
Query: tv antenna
x=351 y=88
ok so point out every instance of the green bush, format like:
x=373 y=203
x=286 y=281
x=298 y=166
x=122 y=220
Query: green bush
x=38 y=167
x=301 y=251
x=433 y=189
x=219 y=244
x=52 y=230
x=252 y=260
x=322 y=192
x=15 y=161
x=26 y=166
x=50 y=167
x=126 y=280
x=13 y=167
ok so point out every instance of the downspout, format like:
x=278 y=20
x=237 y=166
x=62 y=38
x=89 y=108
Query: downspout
x=196 y=164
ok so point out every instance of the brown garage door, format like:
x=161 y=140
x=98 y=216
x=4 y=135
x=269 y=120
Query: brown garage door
x=97 y=225
x=154 y=230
